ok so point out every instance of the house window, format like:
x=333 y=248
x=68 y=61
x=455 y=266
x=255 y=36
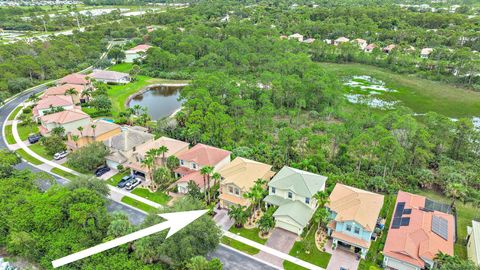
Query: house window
x=194 y=165
x=237 y=191
x=182 y=162
x=357 y=230
x=273 y=190
x=349 y=227
x=230 y=189
x=290 y=195
x=307 y=200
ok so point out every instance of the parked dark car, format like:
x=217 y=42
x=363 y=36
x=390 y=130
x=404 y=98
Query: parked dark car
x=101 y=171
x=124 y=181
x=32 y=139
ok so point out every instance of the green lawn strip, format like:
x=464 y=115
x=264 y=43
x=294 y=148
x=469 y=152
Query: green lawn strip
x=14 y=113
x=25 y=131
x=291 y=266
x=9 y=135
x=251 y=234
x=113 y=181
x=239 y=245
x=465 y=214
x=421 y=95
x=27 y=157
x=63 y=173
x=139 y=205
x=374 y=256
x=315 y=256
x=158 y=196
x=40 y=150
x=123 y=67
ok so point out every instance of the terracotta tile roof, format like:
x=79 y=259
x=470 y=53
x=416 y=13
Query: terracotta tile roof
x=55 y=101
x=140 y=48
x=64 y=117
x=350 y=239
x=74 y=78
x=355 y=204
x=204 y=155
x=244 y=172
x=183 y=170
x=101 y=127
x=371 y=46
x=195 y=176
x=61 y=89
x=415 y=241
x=174 y=146
x=233 y=199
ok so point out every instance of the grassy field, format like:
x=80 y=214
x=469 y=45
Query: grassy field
x=239 y=245
x=63 y=173
x=14 y=113
x=25 y=131
x=40 y=150
x=465 y=214
x=315 y=256
x=251 y=234
x=120 y=93
x=113 y=181
x=420 y=95
x=139 y=205
x=27 y=157
x=9 y=135
x=158 y=197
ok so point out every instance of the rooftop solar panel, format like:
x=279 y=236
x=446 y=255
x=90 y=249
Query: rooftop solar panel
x=405 y=221
x=399 y=209
x=396 y=223
x=407 y=211
x=440 y=227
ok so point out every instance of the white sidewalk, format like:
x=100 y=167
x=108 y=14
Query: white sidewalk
x=272 y=251
x=56 y=165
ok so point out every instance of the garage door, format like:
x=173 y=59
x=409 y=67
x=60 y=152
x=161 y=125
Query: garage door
x=112 y=164
x=287 y=226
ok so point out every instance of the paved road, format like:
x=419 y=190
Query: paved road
x=232 y=259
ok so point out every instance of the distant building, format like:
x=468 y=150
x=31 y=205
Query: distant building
x=124 y=144
x=362 y=43
x=61 y=90
x=473 y=242
x=102 y=131
x=425 y=52
x=47 y=103
x=419 y=230
x=296 y=36
x=70 y=120
x=369 y=48
x=108 y=76
x=136 y=52
x=309 y=40
x=389 y=48
x=75 y=78
x=340 y=40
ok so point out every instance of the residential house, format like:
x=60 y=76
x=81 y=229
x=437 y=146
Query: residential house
x=102 y=130
x=238 y=177
x=296 y=36
x=473 y=242
x=362 y=43
x=425 y=52
x=283 y=37
x=47 y=103
x=292 y=190
x=70 y=120
x=108 y=76
x=175 y=147
x=309 y=40
x=136 y=52
x=389 y=48
x=354 y=213
x=340 y=40
x=61 y=90
x=75 y=78
x=369 y=48
x=328 y=41
x=124 y=144
x=193 y=160
x=419 y=230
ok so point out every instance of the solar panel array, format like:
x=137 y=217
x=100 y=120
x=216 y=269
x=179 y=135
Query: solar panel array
x=398 y=218
x=440 y=226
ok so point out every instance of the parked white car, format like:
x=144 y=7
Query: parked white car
x=60 y=155
x=133 y=184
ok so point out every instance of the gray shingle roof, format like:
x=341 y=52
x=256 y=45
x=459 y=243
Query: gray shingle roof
x=128 y=139
x=300 y=182
x=296 y=211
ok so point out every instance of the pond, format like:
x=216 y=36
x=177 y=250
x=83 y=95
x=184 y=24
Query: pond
x=161 y=101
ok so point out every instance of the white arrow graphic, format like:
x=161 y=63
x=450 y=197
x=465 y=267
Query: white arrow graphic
x=175 y=221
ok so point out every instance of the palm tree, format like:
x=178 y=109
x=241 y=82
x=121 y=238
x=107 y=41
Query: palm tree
x=162 y=177
x=206 y=171
x=75 y=139
x=137 y=108
x=162 y=150
x=80 y=129
x=86 y=94
x=71 y=92
x=255 y=195
x=456 y=191
x=321 y=217
x=148 y=162
x=238 y=214
x=266 y=223
x=322 y=198
x=93 y=128
x=216 y=179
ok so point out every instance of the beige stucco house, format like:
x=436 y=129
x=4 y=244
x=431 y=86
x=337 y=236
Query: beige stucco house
x=101 y=131
x=70 y=120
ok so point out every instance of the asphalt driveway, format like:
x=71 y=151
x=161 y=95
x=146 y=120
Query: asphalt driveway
x=281 y=240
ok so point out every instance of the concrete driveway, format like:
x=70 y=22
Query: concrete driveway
x=341 y=258
x=280 y=240
x=222 y=219
x=108 y=174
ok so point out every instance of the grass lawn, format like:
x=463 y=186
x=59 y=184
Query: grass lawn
x=239 y=245
x=123 y=67
x=9 y=135
x=27 y=157
x=465 y=214
x=158 y=197
x=420 y=95
x=251 y=234
x=40 y=150
x=113 y=181
x=139 y=205
x=14 y=113
x=25 y=131
x=315 y=256
x=63 y=173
